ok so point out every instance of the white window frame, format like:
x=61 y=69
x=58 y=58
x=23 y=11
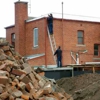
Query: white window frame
x=35 y=37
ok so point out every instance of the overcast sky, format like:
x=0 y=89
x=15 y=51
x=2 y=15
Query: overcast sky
x=38 y=8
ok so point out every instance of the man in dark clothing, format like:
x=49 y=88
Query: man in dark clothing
x=50 y=23
x=58 y=52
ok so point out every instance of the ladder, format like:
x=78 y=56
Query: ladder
x=53 y=44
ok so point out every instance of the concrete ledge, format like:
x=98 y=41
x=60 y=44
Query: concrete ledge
x=92 y=63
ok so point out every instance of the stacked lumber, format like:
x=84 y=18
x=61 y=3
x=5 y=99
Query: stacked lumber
x=19 y=81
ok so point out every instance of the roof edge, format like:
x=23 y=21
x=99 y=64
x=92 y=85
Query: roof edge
x=10 y=26
x=37 y=18
x=21 y=2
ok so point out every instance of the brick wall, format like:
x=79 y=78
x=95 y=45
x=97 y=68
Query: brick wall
x=39 y=61
x=21 y=14
x=9 y=31
x=67 y=39
x=65 y=34
x=43 y=44
x=91 y=36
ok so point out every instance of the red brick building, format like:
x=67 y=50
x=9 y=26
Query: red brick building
x=79 y=40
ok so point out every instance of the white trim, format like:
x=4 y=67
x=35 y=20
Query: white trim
x=54 y=67
x=29 y=20
x=68 y=17
x=49 y=66
x=73 y=57
x=77 y=57
x=34 y=56
x=92 y=62
x=96 y=58
x=80 y=45
x=62 y=68
x=34 y=37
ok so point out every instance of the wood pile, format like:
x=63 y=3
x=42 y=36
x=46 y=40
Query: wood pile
x=19 y=81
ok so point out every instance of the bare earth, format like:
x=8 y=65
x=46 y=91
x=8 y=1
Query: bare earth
x=82 y=87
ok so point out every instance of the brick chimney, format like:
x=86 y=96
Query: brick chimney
x=21 y=14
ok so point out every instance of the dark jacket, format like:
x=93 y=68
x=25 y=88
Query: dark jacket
x=50 y=19
x=58 y=53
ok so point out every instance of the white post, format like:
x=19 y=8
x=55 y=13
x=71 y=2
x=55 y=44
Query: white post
x=73 y=58
x=77 y=58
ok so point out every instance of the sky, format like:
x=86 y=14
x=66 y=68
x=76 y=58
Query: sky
x=37 y=8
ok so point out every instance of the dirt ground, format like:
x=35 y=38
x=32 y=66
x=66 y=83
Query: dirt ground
x=82 y=87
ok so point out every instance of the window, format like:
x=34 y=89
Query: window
x=13 y=39
x=80 y=37
x=35 y=36
x=96 y=49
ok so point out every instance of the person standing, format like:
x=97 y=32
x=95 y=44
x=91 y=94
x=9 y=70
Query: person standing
x=50 y=23
x=58 y=53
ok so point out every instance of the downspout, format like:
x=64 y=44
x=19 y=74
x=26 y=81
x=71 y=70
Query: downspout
x=62 y=32
x=25 y=37
x=45 y=28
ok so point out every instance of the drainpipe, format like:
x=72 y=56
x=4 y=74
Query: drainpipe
x=62 y=31
x=45 y=21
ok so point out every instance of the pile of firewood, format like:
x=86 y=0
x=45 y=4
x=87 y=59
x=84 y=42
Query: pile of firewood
x=19 y=81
